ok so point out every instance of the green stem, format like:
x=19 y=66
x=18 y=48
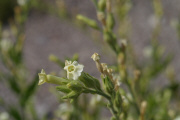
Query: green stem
x=113 y=110
x=95 y=3
x=134 y=96
x=111 y=107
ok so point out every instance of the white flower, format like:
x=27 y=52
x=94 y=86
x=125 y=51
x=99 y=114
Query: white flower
x=5 y=44
x=42 y=77
x=73 y=69
x=4 y=116
x=177 y=118
x=148 y=51
x=21 y=2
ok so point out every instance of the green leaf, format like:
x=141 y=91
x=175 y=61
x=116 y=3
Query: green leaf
x=15 y=56
x=56 y=60
x=14 y=113
x=71 y=95
x=29 y=91
x=63 y=88
x=88 y=21
x=13 y=84
x=160 y=66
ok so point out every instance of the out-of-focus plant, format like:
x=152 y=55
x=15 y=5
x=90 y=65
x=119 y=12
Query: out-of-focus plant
x=136 y=99
x=14 y=75
x=7 y=10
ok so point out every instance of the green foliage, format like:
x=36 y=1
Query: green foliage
x=7 y=11
x=15 y=113
x=15 y=76
x=29 y=91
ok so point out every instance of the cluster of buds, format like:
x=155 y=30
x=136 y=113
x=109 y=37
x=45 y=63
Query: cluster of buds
x=105 y=71
x=111 y=84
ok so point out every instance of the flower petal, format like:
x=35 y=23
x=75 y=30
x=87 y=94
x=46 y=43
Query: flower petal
x=75 y=63
x=79 y=68
x=42 y=78
x=67 y=63
x=66 y=67
x=70 y=75
x=75 y=76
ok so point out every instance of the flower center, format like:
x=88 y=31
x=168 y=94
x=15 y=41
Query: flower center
x=71 y=68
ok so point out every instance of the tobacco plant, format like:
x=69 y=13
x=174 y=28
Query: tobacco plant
x=125 y=86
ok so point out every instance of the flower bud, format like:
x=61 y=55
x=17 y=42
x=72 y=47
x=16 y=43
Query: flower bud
x=63 y=88
x=101 y=16
x=88 y=21
x=75 y=57
x=57 y=80
x=110 y=22
x=125 y=103
x=75 y=86
x=95 y=57
x=143 y=107
x=110 y=38
x=118 y=101
x=102 y=5
x=89 y=81
x=56 y=60
x=113 y=118
x=71 y=95
x=108 y=85
x=43 y=77
x=104 y=66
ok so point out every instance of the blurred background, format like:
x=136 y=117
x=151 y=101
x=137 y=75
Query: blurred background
x=32 y=30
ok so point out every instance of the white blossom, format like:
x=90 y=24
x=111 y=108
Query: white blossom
x=4 y=116
x=42 y=77
x=5 y=44
x=21 y=2
x=73 y=69
x=177 y=118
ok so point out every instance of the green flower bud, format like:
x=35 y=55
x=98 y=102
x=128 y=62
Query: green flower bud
x=110 y=22
x=53 y=58
x=108 y=85
x=102 y=5
x=101 y=16
x=113 y=118
x=63 y=88
x=43 y=77
x=88 y=21
x=57 y=80
x=118 y=101
x=75 y=85
x=56 y=60
x=125 y=103
x=89 y=81
x=71 y=95
x=110 y=38
x=75 y=57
